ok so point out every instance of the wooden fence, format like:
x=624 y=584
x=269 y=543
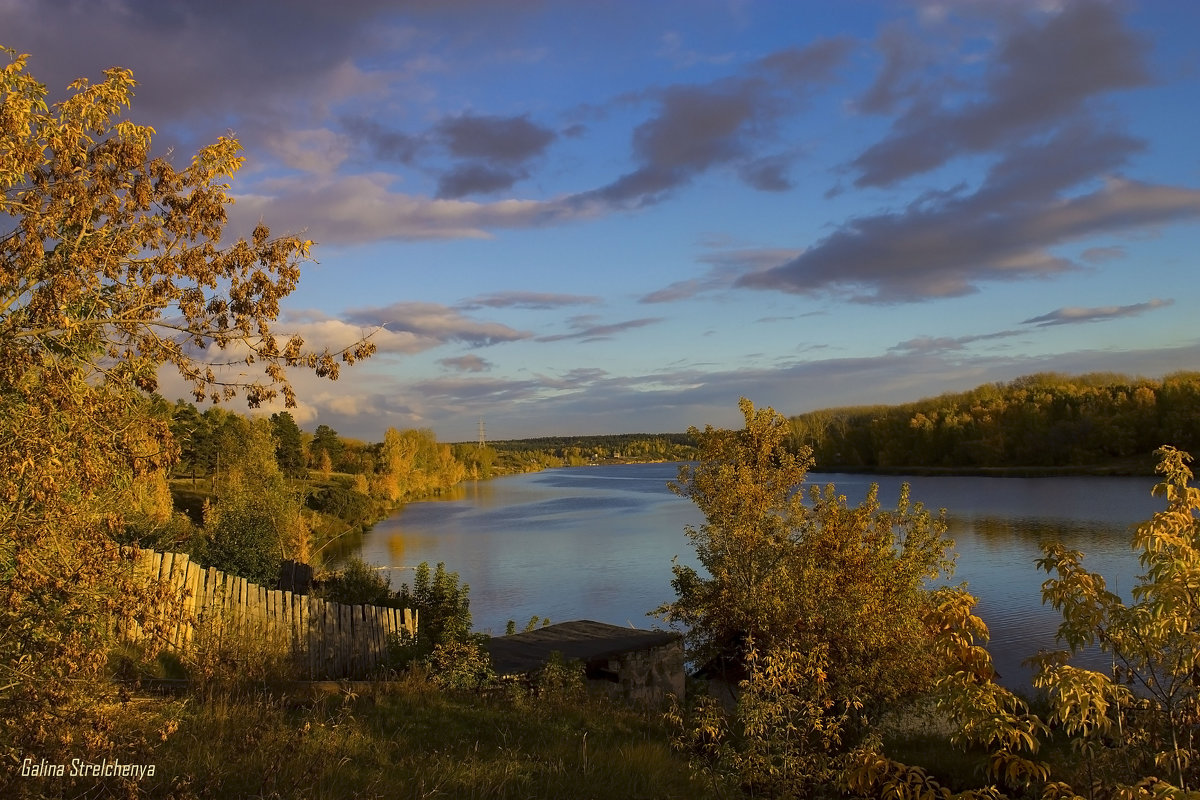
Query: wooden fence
x=207 y=607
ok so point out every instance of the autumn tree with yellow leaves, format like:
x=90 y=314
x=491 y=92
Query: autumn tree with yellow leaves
x=826 y=612
x=816 y=609
x=1130 y=733
x=112 y=267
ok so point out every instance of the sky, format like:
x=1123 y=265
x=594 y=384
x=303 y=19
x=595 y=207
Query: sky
x=577 y=217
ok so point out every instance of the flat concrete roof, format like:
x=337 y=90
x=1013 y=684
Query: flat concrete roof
x=582 y=640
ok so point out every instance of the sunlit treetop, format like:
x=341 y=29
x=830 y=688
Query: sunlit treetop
x=112 y=260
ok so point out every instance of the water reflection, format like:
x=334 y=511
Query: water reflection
x=598 y=542
x=341 y=547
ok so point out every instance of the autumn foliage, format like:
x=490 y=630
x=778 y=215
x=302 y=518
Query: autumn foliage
x=111 y=268
x=1131 y=733
x=816 y=610
x=827 y=615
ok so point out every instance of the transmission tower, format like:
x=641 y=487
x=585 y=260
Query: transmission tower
x=482 y=433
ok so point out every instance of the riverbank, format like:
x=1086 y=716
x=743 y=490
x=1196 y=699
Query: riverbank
x=1123 y=468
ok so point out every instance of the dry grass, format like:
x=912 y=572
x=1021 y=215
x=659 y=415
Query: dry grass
x=402 y=739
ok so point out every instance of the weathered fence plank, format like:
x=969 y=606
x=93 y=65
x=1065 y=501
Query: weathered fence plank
x=326 y=640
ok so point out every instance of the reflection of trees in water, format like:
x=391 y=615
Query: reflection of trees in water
x=335 y=552
x=456 y=492
x=1003 y=532
x=395 y=548
x=400 y=542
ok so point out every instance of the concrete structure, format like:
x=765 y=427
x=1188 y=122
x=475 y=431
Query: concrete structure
x=637 y=665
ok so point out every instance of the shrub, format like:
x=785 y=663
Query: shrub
x=460 y=664
x=347 y=504
x=442 y=603
x=358 y=583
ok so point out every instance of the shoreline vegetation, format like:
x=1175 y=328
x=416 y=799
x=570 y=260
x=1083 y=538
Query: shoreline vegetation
x=342 y=486
x=1044 y=424
x=1123 y=468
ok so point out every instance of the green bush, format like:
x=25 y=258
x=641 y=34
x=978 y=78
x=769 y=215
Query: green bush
x=560 y=679
x=243 y=540
x=359 y=583
x=353 y=507
x=460 y=664
x=442 y=603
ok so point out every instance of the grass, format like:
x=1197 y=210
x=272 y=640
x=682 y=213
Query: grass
x=234 y=737
x=404 y=739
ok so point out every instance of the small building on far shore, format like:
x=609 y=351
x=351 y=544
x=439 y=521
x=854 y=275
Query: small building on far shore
x=636 y=665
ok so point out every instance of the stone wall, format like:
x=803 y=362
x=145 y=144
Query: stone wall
x=641 y=676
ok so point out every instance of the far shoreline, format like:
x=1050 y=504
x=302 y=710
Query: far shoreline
x=1072 y=471
x=1126 y=469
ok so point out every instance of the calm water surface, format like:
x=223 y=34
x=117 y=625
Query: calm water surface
x=597 y=543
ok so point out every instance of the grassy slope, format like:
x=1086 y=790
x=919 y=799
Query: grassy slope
x=407 y=740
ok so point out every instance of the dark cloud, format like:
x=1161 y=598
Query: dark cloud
x=726 y=267
x=270 y=68
x=1035 y=171
x=199 y=62
x=286 y=73
x=502 y=140
x=700 y=126
x=898 y=78
x=642 y=187
x=477 y=179
x=800 y=67
x=1098 y=255
x=586 y=331
x=539 y=301
x=696 y=127
x=768 y=174
x=482 y=393
x=1074 y=315
x=383 y=143
x=942 y=344
x=436 y=322
x=1040 y=74
x=496 y=150
x=468 y=363
x=945 y=243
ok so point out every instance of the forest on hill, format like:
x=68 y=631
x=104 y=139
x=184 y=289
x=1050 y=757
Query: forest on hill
x=590 y=449
x=1044 y=421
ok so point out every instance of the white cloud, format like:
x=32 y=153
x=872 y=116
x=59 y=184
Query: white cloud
x=352 y=209
x=318 y=151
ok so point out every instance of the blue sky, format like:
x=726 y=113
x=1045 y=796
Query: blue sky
x=586 y=217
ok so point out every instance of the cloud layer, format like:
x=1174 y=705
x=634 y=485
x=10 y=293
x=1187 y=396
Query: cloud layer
x=1075 y=315
x=945 y=244
x=882 y=202
x=1045 y=70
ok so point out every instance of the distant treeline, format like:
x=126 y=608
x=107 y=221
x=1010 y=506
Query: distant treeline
x=518 y=455
x=1043 y=420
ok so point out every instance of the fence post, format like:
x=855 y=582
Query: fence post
x=327 y=640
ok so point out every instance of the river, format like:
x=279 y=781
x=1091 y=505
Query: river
x=597 y=543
